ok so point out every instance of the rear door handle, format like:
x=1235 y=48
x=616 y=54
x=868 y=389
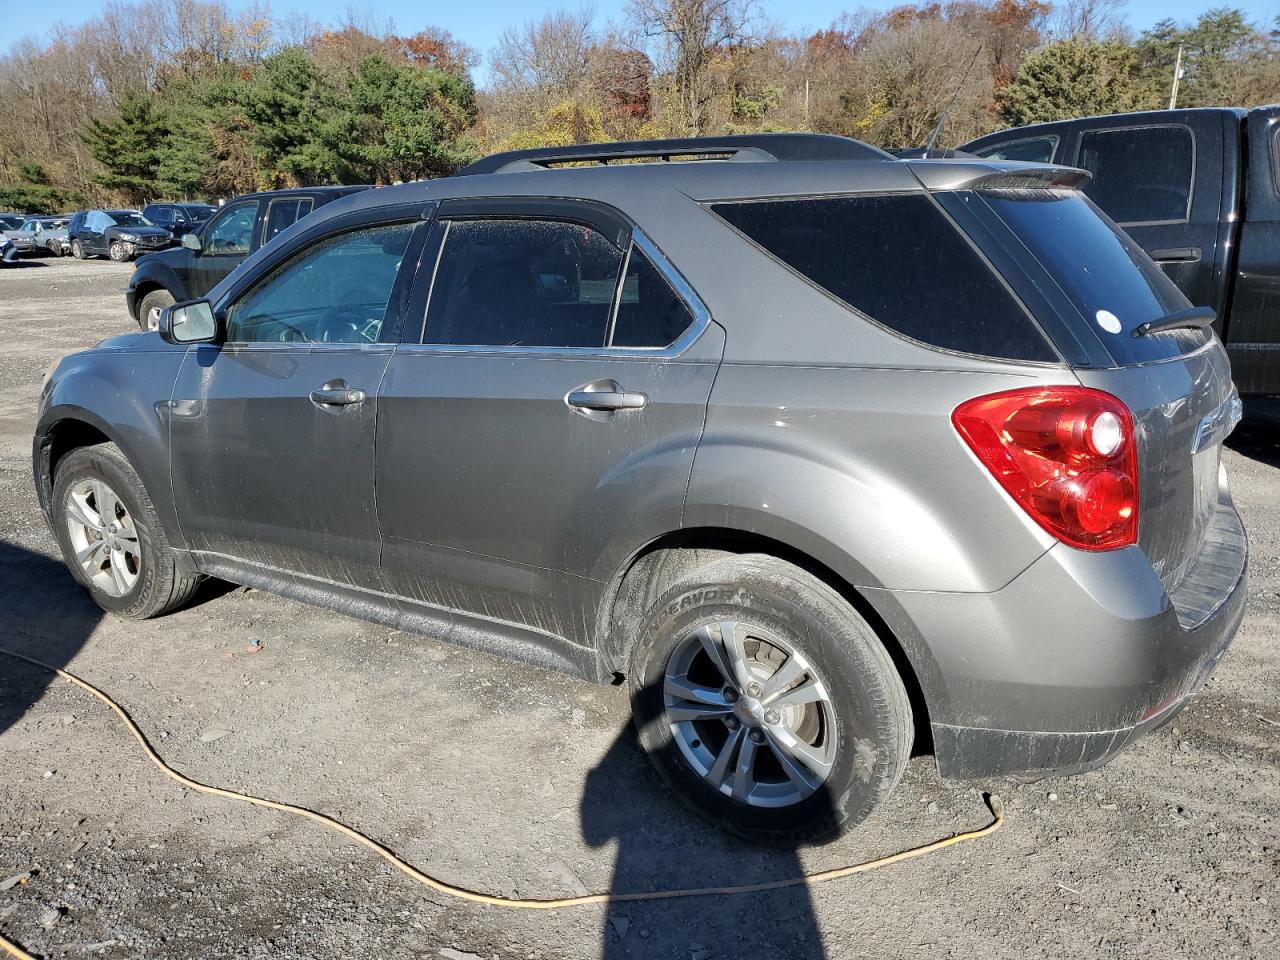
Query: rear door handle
x=605 y=395
x=336 y=393
x=1176 y=255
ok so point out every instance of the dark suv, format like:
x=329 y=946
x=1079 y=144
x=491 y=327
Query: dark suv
x=819 y=448
x=118 y=234
x=212 y=249
x=178 y=218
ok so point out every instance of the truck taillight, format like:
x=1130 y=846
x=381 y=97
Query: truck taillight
x=1067 y=455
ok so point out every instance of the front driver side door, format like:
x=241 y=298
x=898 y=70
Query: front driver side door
x=272 y=431
x=224 y=243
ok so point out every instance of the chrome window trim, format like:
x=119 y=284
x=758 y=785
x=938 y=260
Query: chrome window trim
x=701 y=316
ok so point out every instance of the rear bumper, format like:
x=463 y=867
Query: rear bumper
x=1073 y=660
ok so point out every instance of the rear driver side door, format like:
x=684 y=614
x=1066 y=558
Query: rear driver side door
x=541 y=423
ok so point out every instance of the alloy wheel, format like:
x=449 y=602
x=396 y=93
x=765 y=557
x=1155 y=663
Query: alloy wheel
x=103 y=537
x=750 y=714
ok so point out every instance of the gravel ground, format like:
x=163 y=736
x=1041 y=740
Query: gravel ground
x=511 y=780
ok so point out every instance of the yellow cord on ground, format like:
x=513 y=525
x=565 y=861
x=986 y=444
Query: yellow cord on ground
x=997 y=810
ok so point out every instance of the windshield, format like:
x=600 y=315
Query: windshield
x=1104 y=273
x=129 y=218
x=10 y=223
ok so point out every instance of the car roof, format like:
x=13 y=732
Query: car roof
x=336 y=191
x=1162 y=117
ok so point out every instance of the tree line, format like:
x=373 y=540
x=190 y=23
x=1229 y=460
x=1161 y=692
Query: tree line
x=186 y=99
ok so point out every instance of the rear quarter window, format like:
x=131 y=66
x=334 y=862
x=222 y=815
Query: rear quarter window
x=1031 y=149
x=898 y=260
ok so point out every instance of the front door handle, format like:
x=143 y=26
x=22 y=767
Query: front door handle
x=605 y=396
x=336 y=393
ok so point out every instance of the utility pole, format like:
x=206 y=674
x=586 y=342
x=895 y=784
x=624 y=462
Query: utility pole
x=1177 y=75
x=807 y=125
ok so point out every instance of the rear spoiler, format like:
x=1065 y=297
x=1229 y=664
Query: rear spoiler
x=996 y=176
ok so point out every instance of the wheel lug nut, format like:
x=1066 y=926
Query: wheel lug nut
x=771 y=716
x=730 y=694
x=731 y=723
x=756 y=735
x=755 y=689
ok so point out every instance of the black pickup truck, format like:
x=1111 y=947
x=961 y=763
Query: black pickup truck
x=1199 y=190
x=215 y=248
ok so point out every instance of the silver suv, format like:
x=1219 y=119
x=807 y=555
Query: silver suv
x=827 y=453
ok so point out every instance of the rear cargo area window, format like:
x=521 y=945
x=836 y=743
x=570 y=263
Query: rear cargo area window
x=1105 y=274
x=1142 y=174
x=898 y=260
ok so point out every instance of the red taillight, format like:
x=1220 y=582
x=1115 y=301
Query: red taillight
x=1066 y=454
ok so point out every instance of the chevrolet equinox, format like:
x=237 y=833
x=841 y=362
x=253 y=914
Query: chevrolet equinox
x=824 y=451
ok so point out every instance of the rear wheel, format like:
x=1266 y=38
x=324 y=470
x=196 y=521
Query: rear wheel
x=111 y=539
x=150 y=307
x=767 y=703
x=77 y=250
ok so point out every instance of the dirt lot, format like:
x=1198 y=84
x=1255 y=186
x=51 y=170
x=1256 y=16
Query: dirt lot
x=512 y=780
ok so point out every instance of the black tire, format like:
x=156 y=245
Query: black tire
x=77 y=250
x=872 y=727
x=161 y=585
x=156 y=299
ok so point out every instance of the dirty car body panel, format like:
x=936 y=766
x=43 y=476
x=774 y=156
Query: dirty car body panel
x=484 y=493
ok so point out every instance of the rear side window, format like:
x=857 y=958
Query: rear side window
x=1140 y=174
x=283 y=214
x=1031 y=149
x=898 y=260
x=530 y=283
x=1104 y=273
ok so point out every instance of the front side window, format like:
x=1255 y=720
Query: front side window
x=161 y=215
x=898 y=260
x=1142 y=174
x=98 y=221
x=282 y=214
x=335 y=291
x=1030 y=149
x=232 y=232
x=531 y=283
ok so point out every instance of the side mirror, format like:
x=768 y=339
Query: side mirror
x=190 y=322
x=191 y=242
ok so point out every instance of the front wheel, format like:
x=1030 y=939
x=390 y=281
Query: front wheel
x=151 y=306
x=767 y=703
x=119 y=251
x=111 y=538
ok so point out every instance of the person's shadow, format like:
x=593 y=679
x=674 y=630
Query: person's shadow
x=661 y=846
x=45 y=615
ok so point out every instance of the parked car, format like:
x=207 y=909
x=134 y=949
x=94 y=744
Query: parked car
x=1197 y=190
x=11 y=221
x=118 y=234
x=178 y=218
x=40 y=235
x=218 y=246
x=817 y=447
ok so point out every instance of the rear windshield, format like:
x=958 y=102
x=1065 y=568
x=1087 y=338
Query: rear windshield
x=898 y=260
x=1104 y=273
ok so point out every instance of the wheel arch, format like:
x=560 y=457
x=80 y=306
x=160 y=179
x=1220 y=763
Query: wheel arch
x=664 y=560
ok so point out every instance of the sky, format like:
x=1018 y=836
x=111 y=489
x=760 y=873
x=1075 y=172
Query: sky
x=480 y=22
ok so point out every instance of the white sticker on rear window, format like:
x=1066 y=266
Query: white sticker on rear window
x=1108 y=321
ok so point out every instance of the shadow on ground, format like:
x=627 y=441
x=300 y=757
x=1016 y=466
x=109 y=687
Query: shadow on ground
x=625 y=803
x=46 y=616
x=1258 y=436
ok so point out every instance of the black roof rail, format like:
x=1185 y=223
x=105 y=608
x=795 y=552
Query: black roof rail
x=761 y=146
